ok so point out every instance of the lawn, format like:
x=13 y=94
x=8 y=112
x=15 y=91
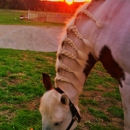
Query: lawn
x=12 y=17
x=21 y=88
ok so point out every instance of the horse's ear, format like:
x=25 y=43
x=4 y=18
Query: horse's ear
x=46 y=81
x=64 y=99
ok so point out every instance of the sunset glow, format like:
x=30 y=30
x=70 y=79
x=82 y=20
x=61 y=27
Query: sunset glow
x=82 y=0
x=70 y=1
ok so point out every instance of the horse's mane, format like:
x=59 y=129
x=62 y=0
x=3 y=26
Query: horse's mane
x=71 y=21
x=82 y=57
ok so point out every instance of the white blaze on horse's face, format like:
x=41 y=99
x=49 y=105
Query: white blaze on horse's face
x=55 y=111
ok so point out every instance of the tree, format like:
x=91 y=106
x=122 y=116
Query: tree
x=31 y=4
x=3 y=3
x=15 y=4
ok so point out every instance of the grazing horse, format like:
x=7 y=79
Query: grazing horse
x=99 y=31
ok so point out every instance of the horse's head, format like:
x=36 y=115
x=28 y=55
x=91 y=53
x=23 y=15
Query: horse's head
x=55 y=109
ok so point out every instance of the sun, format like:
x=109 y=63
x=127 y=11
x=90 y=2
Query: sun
x=69 y=2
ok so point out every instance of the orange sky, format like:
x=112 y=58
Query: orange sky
x=70 y=0
x=82 y=0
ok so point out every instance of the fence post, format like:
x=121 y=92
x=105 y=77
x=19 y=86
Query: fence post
x=29 y=14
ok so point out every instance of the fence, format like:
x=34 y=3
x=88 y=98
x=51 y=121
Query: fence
x=48 y=16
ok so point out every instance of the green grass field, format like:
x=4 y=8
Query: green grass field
x=12 y=17
x=21 y=88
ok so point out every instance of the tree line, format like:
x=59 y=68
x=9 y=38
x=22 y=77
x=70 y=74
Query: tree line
x=20 y=4
x=39 y=5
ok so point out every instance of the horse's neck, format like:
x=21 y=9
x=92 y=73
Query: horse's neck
x=72 y=89
x=70 y=65
x=72 y=57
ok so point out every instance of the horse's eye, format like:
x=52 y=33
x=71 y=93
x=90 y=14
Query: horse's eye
x=58 y=123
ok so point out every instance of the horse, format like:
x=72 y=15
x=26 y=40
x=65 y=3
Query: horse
x=98 y=31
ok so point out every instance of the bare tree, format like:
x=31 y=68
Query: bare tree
x=3 y=3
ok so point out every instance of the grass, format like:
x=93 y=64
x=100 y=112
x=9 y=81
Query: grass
x=12 y=17
x=21 y=88
x=98 y=114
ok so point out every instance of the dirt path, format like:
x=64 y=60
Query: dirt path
x=37 y=38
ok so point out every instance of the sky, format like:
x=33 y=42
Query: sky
x=70 y=0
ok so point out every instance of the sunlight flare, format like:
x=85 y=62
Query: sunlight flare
x=69 y=2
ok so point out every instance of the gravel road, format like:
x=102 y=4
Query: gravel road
x=35 y=38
